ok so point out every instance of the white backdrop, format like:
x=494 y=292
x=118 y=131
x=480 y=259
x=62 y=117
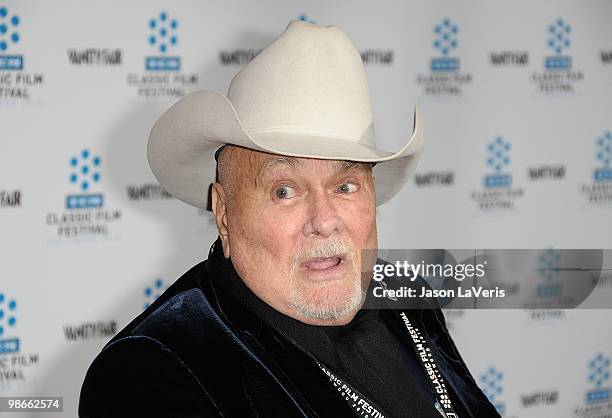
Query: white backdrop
x=75 y=92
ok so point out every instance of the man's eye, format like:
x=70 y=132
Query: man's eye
x=284 y=192
x=347 y=188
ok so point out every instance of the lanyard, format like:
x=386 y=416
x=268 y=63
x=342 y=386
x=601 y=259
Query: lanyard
x=431 y=369
x=360 y=404
x=368 y=409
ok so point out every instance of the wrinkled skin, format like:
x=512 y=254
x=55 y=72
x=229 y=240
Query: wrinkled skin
x=294 y=229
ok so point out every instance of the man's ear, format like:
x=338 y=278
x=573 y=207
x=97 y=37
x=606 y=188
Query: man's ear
x=219 y=208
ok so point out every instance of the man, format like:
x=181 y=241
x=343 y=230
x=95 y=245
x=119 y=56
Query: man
x=272 y=324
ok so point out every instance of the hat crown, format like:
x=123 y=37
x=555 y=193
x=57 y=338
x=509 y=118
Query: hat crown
x=310 y=80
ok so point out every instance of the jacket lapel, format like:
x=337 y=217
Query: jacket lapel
x=294 y=369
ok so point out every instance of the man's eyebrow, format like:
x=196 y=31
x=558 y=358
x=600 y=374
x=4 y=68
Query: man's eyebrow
x=345 y=165
x=291 y=162
x=294 y=163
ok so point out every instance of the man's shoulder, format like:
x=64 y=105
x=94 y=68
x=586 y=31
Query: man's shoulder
x=182 y=299
x=182 y=320
x=152 y=353
x=183 y=345
x=180 y=343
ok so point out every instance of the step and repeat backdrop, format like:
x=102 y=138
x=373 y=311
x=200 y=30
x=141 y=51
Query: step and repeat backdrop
x=517 y=106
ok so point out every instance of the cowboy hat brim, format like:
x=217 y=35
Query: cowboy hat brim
x=183 y=141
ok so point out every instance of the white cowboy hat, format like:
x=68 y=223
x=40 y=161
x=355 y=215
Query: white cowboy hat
x=305 y=95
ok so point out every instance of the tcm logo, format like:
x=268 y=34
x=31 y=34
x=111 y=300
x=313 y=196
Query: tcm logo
x=445 y=41
x=84 y=173
x=498 y=158
x=549 y=262
x=9 y=36
x=603 y=155
x=162 y=37
x=8 y=320
x=558 y=41
x=491 y=383
x=154 y=291
x=598 y=376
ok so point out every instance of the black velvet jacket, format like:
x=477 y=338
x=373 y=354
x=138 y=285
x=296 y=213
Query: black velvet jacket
x=197 y=353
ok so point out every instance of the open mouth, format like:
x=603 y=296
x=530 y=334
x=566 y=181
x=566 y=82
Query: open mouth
x=323 y=264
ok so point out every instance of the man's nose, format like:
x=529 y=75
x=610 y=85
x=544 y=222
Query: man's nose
x=323 y=218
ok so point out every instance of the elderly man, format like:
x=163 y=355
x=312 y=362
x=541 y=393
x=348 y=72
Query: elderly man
x=273 y=323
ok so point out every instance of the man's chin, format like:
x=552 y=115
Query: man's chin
x=334 y=300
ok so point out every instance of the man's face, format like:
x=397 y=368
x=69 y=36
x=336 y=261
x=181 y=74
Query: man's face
x=294 y=229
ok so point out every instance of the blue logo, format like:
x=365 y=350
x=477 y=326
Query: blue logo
x=498 y=158
x=445 y=41
x=549 y=262
x=9 y=35
x=8 y=320
x=84 y=173
x=163 y=37
x=598 y=376
x=559 y=41
x=604 y=156
x=153 y=292
x=305 y=18
x=491 y=383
